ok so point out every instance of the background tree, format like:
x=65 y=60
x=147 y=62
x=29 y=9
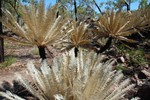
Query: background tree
x=97 y=7
x=144 y=4
x=12 y=6
x=1 y=39
x=66 y=7
x=85 y=8
x=41 y=27
x=117 y=4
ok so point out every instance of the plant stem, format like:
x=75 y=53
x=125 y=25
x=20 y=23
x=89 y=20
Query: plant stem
x=106 y=46
x=42 y=52
x=76 y=51
x=98 y=7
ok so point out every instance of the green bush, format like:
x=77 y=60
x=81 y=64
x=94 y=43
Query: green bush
x=136 y=56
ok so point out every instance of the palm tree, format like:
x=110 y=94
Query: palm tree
x=114 y=26
x=76 y=36
x=41 y=27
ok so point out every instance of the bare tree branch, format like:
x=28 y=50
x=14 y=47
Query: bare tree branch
x=75 y=10
x=98 y=7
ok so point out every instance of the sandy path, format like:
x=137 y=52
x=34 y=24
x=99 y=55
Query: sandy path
x=23 y=54
x=8 y=74
x=9 y=77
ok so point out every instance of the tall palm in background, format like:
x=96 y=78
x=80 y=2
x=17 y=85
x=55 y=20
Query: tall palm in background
x=41 y=26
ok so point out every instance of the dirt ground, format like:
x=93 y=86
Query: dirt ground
x=22 y=54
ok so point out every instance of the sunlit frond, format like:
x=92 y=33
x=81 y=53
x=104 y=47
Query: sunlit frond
x=115 y=25
x=40 y=25
x=77 y=36
x=76 y=78
x=10 y=96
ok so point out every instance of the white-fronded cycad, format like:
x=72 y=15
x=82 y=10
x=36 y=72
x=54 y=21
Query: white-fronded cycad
x=41 y=26
x=114 y=25
x=84 y=77
x=77 y=36
x=139 y=20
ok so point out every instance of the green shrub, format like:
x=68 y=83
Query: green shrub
x=136 y=56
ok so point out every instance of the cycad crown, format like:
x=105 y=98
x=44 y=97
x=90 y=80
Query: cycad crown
x=40 y=25
x=76 y=78
x=115 y=25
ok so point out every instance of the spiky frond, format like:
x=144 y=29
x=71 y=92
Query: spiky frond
x=77 y=36
x=114 y=25
x=139 y=20
x=145 y=13
x=40 y=25
x=77 y=78
x=10 y=96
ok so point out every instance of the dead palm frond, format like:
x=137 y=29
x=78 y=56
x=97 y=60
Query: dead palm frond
x=114 y=25
x=145 y=13
x=77 y=36
x=139 y=20
x=41 y=27
x=76 y=78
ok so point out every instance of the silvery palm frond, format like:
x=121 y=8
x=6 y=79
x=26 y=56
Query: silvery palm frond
x=10 y=96
x=76 y=78
x=40 y=25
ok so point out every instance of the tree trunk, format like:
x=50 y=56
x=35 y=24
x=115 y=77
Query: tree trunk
x=75 y=10
x=57 y=1
x=106 y=46
x=1 y=39
x=98 y=7
x=128 y=5
x=42 y=52
x=76 y=51
x=1 y=50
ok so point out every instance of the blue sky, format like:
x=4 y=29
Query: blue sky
x=134 y=5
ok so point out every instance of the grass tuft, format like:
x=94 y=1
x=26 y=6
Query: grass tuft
x=8 y=61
